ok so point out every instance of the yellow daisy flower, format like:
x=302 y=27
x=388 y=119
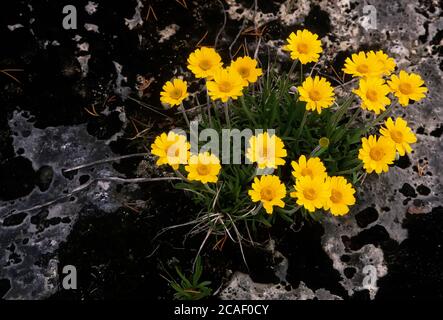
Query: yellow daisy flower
x=226 y=84
x=311 y=193
x=247 y=68
x=400 y=133
x=203 y=167
x=317 y=93
x=342 y=196
x=171 y=148
x=304 y=46
x=387 y=62
x=269 y=190
x=267 y=151
x=372 y=92
x=377 y=154
x=174 y=92
x=204 y=62
x=407 y=86
x=312 y=167
x=362 y=65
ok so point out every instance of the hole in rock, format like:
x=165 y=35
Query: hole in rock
x=366 y=217
x=408 y=191
x=423 y=190
x=17 y=178
x=403 y=162
x=15 y=219
x=44 y=178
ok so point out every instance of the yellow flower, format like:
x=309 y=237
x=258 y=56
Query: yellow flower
x=247 y=68
x=203 y=167
x=342 y=196
x=377 y=155
x=311 y=193
x=171 y=148
x=174 y=92
x=313 y=167
x=400 y=133
x=372 y=92
x=407 y=86
x=269 y=190
x=387 y=62
x=266 y=150
x=226 y=84
x=204 y=62
x=362 y=65
x=317 y=93
x=304 y=46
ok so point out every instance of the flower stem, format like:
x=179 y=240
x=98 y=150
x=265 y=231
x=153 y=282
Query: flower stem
x=349 y=171
x=291 y=211
x=301 y=73
x=182 y=109
x=180 y=175
x=380 y=117
x=354 y=116
x=302 y=124
x=208 y=188
x=228 y=120
x=291 y=70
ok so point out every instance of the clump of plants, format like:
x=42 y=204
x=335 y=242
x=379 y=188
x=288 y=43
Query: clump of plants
x=308 y=149
x=189 y=287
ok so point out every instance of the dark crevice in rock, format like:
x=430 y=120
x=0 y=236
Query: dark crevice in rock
x=44 y=177
x=308 y=262
x=349 y=272
x=415 y=268
x=423 y=190
x=318 y=21
x=437 y=132
x=366 y=217
x=408 y=191
x=376 y=235
x=17 y=178
x=403 y=162
x=14 y=219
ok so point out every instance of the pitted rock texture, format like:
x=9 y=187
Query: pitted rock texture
x=411 y=32
x=30 y=238
x=241 y=287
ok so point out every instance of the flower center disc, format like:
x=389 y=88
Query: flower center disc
x=176 y=93
x=302 y=47
x=203 y=169
x=363 y=68
x=405 y=88
x=244 y=72
x=376 y=153
x=397 y=136
x=314 y=95
x=173 y=153
x=225 y=86
x=267 y=194
x=336 y=196
x=205 y=65
x=371 y=95
x=310 y=193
